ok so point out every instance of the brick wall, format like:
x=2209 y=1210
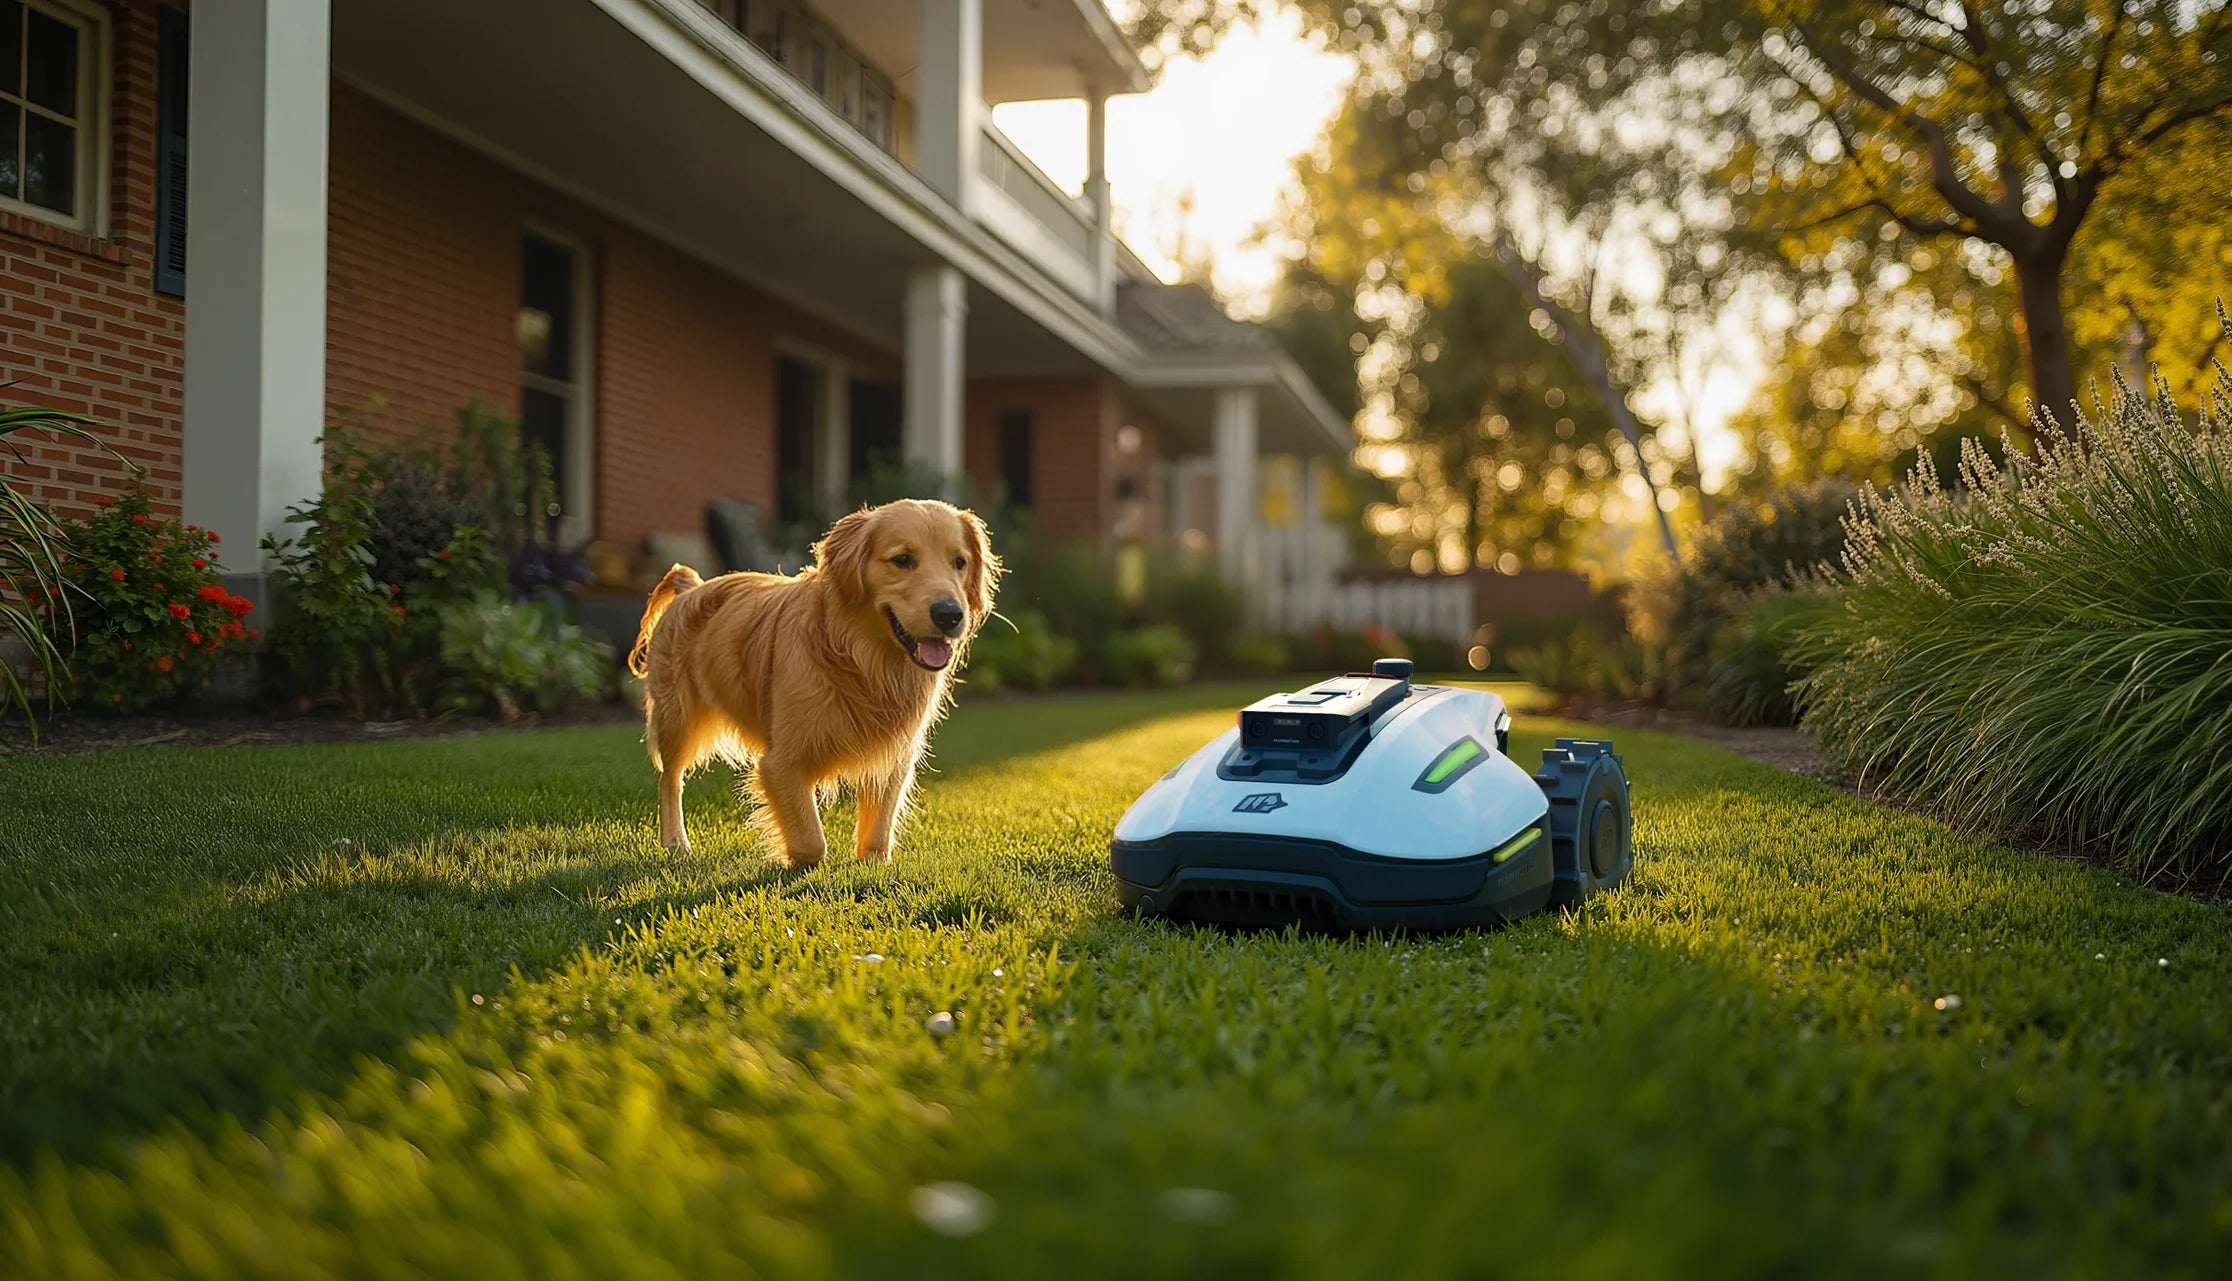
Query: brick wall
x=1073 y=423
x=424 y=289
x=81 y=326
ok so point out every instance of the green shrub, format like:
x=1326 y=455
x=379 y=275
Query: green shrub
x=1337 y=649
x=1191 y=594
x=1586 y=662
x=1746 y=547
x=348 y=638
x=1260 y=656
x=1151 y=656
x=513 y=659
x=1071 y=587
x=1027 y=656
x=1435 y=654
x=152 y=620
x=1752 y=666
x=2048 y=651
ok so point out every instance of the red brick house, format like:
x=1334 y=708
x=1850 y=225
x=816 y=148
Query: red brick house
x=701 y=248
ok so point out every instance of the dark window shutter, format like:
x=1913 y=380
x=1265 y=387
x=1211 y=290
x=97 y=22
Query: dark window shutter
x=170 y=157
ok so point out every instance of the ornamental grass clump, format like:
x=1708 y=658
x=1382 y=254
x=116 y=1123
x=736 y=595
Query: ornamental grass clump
x=2047 y=651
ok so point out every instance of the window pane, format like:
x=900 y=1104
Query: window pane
x=11 y=125
x=51 y=69
x=11 y=46
x=542 y=421
x=546 y=288
x=49 y=164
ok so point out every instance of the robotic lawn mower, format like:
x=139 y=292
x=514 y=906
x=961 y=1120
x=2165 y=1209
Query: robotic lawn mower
x=1368 y=802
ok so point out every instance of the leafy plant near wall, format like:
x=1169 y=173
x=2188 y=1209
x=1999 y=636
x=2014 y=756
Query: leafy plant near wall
x=349 y=639
x=515 y=659
x=409 y=537
x=1028 y=655
x=31 y=567
x=155 y=620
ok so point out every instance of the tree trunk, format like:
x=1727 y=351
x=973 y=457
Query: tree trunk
x=2046 y=334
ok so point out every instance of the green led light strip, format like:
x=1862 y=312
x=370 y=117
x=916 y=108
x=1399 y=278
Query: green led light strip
x=1516 y=845
x=1452 y=760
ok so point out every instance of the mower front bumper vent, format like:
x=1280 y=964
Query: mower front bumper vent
x=1257 y=880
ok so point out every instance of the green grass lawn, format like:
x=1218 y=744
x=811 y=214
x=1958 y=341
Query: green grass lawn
x=445 y=1006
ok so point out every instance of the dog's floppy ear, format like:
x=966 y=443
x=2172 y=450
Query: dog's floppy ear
x=984 y=567
x=843 y=554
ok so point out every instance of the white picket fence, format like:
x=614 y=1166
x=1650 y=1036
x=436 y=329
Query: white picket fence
x=1294 y=588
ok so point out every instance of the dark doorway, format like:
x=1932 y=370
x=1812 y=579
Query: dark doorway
x=876 y=439
x=1015 y=457
x=797 y=416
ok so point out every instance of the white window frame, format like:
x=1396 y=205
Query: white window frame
x=577 y=517
x=91 y=218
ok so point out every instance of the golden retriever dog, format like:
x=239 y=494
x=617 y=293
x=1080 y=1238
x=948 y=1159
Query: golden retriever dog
x=833 y=675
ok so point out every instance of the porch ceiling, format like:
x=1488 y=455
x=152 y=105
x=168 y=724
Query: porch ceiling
x=559 y=90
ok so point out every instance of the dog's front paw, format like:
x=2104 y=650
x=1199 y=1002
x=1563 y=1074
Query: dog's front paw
x=800 y=860
x=874 y=853
x=679 y=845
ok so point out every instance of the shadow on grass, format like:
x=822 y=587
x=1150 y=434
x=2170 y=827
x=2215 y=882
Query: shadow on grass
x=190 y=935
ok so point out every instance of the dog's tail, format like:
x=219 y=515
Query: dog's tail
x=678 y=580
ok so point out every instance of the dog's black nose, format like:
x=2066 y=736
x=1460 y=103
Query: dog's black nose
x=947 y=615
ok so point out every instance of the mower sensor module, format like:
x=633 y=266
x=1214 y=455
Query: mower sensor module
x=1370 y=802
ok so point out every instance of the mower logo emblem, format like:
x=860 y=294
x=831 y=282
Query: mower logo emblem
x=1260 y=803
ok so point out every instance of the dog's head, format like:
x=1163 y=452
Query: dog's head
x=924 y=569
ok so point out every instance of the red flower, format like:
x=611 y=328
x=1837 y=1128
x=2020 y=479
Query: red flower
x=255 y=633
x=193 y=529
x=117 y=574
x=157 y=557
x=213 y=593
x=199 y=563
x=103 y=500
x=180 y=612
x=158 y=587
x=193 y=638
x=395 y=589
x=399 y=611
x=442 y=554
x=127 y=644
x=214 y=538
x=139 y=518
x=163 y=664
x=238 y=606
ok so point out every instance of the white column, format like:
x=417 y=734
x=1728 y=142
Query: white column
x=1235 y=433
x=937 y=309
x=255 y=266
x=833 y=437
x=949 y=94
x=1096 y=191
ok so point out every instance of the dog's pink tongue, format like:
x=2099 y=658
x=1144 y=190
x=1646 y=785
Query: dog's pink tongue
x=934 y=654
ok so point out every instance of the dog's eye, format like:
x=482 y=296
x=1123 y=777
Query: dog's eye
x=960 y=562
x=904 y=560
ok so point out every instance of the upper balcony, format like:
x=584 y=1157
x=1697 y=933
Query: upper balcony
x=865 y=61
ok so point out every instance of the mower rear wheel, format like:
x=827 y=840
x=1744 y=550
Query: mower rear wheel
x=1592 y=827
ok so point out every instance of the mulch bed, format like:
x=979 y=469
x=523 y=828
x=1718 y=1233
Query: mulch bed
x=68 y=735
